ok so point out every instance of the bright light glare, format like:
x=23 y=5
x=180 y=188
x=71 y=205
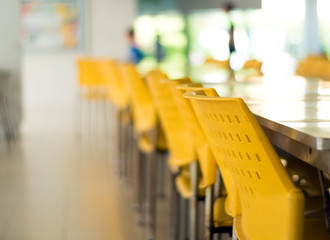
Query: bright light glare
x=169 y=23
x=323 y=8
x=284 y=10
x=146 y=26
x=177 y=40
x=197 y=58
x=216 y=41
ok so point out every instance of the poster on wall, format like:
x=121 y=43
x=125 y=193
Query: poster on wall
x=53 y=25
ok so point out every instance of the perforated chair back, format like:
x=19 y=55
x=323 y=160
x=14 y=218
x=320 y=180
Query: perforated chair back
x=178 y=137
x=232 y=204
x=205 y=156
x=272 y=207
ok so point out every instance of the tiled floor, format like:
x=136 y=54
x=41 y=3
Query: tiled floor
x=55 y=185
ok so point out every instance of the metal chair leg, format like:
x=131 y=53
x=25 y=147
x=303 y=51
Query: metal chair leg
x=161 y=158
x=126 y=151
x=142 y=188
x=234 y=235
x=136 y=177
x=138 y=181
x=131 y=155
x=151 y=193
x=217 y=191
x=209 y=221
x=120 y=143
x=193 y=226
x=175 y=214
x=185 y=216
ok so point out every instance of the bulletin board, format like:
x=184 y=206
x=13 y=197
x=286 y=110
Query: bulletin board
x=53 y=25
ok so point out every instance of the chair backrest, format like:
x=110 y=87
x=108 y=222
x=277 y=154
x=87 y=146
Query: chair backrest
x=314 y=66
x=89 y=73
x=225 y=64
x=177 y=135
x=144 y=112
x=205 y=156
x=272 y=207
x=113 y=77
x=232 y=205
x=252 y=63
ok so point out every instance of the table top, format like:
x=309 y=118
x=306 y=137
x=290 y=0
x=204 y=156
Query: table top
x=295 y=107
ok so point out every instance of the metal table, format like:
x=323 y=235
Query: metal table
x=294 y=113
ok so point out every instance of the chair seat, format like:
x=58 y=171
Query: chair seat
x=145 y=143
x=125 y=116
x=183 y=185
x=221 y=218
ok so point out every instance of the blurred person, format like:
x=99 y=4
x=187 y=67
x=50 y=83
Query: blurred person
x=135 y=54
x=227 y=7
x=160 y=54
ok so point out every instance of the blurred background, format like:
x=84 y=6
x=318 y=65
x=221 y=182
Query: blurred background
x=41 y=39
x=48 y=172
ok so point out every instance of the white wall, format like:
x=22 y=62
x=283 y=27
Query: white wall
x=109 y=23
x=50 y=79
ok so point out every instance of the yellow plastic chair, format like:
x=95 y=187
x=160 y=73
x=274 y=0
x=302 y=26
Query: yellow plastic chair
x=176 y=134
x=179 y=140
x=252 y=63
x=272 y=207
x=145 y=164
x=225 y=64
x=218 y=220
x=143 y=109
x=117 y=89
x=93 y=90
x=150 y=140
x=205 y=157
x=121 y=113
x=232 y=201
x=251 y=68
x=314 y=66
x=91 y=79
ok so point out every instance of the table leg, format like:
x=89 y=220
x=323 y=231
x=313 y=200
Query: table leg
x=326 y=200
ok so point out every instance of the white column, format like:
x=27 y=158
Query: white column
x=312 y=42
